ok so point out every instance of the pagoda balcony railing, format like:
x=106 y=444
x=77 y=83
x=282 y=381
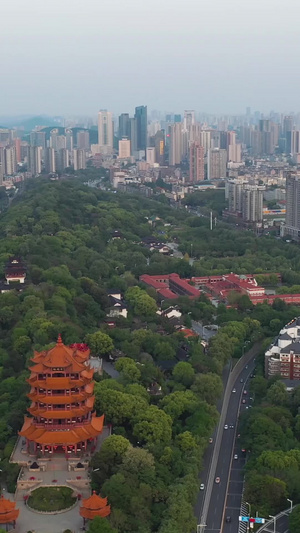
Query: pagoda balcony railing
x=62 y=427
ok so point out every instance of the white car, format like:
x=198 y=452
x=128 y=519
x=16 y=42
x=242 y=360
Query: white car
x=235 y=456
x=202 y=486
x=233 y=390
x=226 y=426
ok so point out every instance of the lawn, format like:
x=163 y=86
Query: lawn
x=49 y=499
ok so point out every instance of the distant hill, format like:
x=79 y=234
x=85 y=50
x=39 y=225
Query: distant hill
x=28 y=123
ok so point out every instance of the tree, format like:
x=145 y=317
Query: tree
x=277 y=394
x=108 y=458
x=208 y=387
x=139 y=463
x=100 y=525
x=294 y=520
x=141 y=302
x=153 y=426
x=266 y=492
x=100 y=343
x=128 y=369
x=184 y=373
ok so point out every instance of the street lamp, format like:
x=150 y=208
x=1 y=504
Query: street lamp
x=274 y=518
x=291 y=502
x=96 y=470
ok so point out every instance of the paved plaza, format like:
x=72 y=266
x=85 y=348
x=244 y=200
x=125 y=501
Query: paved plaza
x=55 y=470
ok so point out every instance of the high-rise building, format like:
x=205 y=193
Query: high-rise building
x=105 y=132
x=38 y=138
x=235 y=196
x=235 y=153
x=295 y=141
x=133 y=136
x=196 y=162
x=216 y=163
x=292 y=220
x=1 y=165
x=50 y=166
x=177 y=118
x=79 y=159
x=83 y=140
x=62 y=159
x=34 y=161
x=10 y=160
x=69 y=139
x=150 y=156
x=17 y=143
x=252 y=203
x=175 y=144
x=159 y=143
x=189 y=118
x=124 y=126
x=141 y=127
x=124 y=149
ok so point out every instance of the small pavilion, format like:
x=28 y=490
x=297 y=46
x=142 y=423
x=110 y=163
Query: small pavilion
x=94 y=506
x=8 y=512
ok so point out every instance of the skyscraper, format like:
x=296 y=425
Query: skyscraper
x=189 y=118
x=252 y=203
x=196 y=162
x=105 y=132
x=292 y=220
x=124 y=148
x=38 y=138
x=10 y=160
x=175 y=144
x=50 y=166
x=216 y=163
x=34 y=161
x=124 y=126
x=141 y=126
x=132 y=135
x=159 y=142
x=79 y=159
x=83 y=140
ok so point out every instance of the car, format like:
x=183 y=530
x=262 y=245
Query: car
x=233 y=390
x=243 y=401
x=210 y=440
x=226 y=426
x=235 y=456
x=202 y=486
x=247 y=407
x=245 y=392
x=241 y=380
x=228 y=519
x=217 y=480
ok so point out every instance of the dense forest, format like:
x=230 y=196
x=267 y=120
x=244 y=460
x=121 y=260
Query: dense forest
x=64 y=232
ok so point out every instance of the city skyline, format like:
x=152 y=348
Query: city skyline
x=79 y=58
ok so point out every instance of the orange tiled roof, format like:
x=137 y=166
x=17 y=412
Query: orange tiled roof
x=94 y=506
x=57 y=400
x=62 y=437
x=57 y=414
x=8 y=512
x=62 y=356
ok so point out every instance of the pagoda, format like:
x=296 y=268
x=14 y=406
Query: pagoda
x=62 y=399
x=15 y=275
x=94 y=506
x=8 y=512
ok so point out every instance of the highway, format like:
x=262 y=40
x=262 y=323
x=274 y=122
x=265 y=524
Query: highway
x=221 y=500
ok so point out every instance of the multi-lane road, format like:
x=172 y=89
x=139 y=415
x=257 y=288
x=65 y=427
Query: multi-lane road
x=224 y=458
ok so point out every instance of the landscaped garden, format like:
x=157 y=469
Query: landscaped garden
x=49 y=499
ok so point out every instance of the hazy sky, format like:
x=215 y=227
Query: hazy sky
x=77 y=56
